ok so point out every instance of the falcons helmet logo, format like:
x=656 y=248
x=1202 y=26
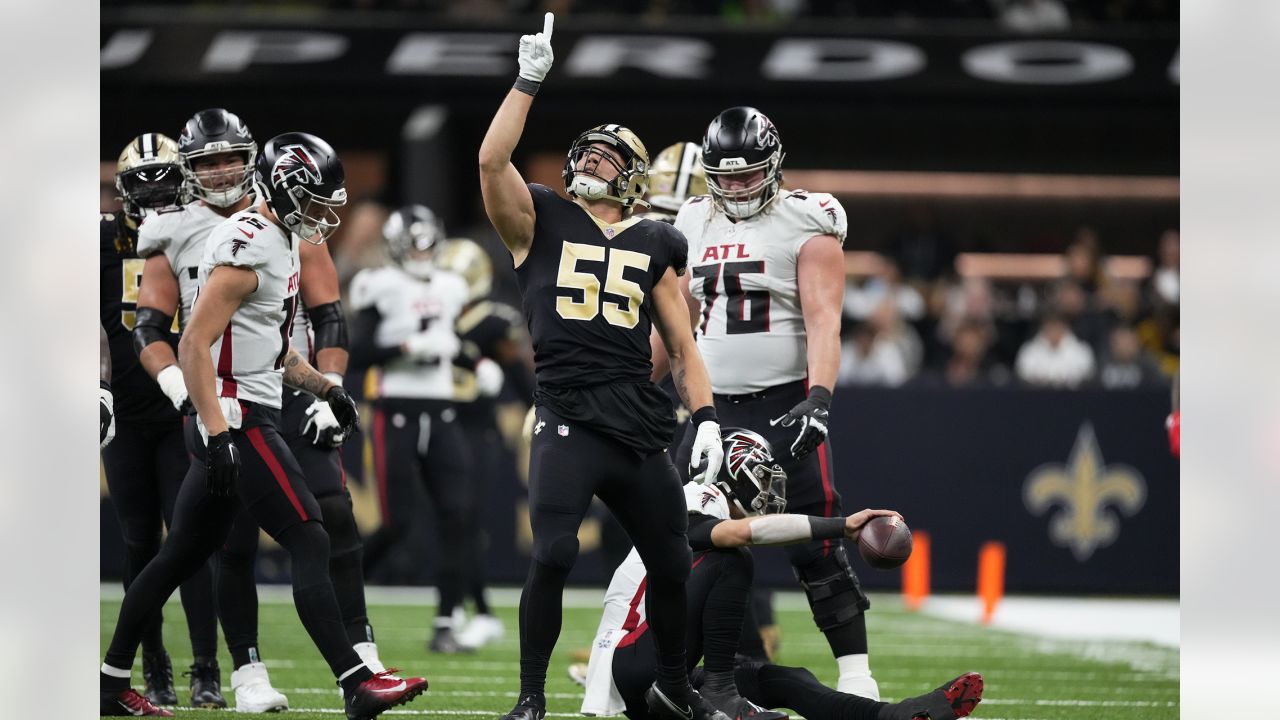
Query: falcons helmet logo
x=295 y=162
x=740 y=448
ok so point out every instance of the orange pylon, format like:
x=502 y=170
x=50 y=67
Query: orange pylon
x=990 y=578
x=915 y=573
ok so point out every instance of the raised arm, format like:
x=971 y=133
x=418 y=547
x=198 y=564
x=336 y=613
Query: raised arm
x=506 y=197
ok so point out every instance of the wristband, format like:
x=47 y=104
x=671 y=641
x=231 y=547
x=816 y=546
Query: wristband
x=528 y=87
x=825 y=528
x=820 y=395
x=705 y=414
x=334 y=378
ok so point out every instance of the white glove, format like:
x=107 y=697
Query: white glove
x=432 y=346
x=707 y=446
x=535 y=52
x=321 y=428
x=173 y=386
x=489 y=377
x=106 y=417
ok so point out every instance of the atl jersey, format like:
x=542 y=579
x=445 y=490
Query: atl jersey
x=751 y=328
x=624 y=607
x=249 y=357
x=180 y=234
x=303 y=337
x=407 y=306
x=137 y=397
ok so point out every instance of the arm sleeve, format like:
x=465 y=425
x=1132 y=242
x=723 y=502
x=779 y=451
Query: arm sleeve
x=364 y=351
x=700 y=531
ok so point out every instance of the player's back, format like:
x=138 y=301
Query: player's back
x=180 y=233
x=587 y=297
x=744 y=274
x=137 y=397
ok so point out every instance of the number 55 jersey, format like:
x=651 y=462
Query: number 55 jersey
x=750 y=328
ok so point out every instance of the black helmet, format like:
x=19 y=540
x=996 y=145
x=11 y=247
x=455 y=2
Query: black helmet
x=213 y=132
x=749 y=477
x=412 y=235
x=149 y=175
x=303 y=181
x=742 y=140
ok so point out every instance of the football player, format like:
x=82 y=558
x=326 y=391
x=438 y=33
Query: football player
x=675 y=177
x=217 y=153
x=145 y=463
x=493 y=338
x=235 y=355
x=765 y=288
x=405 y=323
x=595 y=279
x=743 y=507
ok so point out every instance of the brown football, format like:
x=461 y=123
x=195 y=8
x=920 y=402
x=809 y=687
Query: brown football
x=885 y=542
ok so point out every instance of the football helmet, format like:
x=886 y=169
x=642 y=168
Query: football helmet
x=149 y=175
x=628 y=187
x=413 y=234
x=749 y=477
x=466 y=258
x=675 y=177
x=213 y=132
x=303 y=182
x=741 y=141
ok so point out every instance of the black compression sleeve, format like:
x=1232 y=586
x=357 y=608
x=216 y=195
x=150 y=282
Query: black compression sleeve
x=150 y=326
x=824 y=528
x=364 y=350
x=700 y=531
x=330 y=325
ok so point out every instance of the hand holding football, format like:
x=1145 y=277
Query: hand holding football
x=885 y=542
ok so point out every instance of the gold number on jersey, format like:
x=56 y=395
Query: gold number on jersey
x=132 y=284
x=570 y=278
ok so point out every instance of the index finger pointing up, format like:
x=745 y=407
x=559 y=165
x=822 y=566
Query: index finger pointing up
x=547 y=23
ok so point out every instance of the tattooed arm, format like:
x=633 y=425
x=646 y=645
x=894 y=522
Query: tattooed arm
x=299 y=374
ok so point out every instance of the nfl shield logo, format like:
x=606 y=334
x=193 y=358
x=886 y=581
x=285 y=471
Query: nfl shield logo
x=608 y=232
x=563 y=430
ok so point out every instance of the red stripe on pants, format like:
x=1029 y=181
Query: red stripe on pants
x=277 y=470
x=824 y=470
x=380 y=462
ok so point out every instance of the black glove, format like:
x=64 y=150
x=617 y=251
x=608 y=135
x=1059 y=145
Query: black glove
x=344 y=410
x=222 y=463
x=813 y=416
x=106 y=415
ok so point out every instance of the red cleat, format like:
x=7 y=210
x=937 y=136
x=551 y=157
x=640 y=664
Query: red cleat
x=128 y=703
x=955 y=699
x=964 y=693
x=381 y=692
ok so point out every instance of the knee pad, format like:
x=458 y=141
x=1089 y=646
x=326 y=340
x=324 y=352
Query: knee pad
x=340 y=523
x=835 y=596
x=559 y=553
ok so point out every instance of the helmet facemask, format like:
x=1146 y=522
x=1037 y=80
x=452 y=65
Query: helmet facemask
x=209 y=184
x=150 y=187
x=749 y=477
x=412 y=235
x=583 y=180
x=742 y=203
x=314 y=216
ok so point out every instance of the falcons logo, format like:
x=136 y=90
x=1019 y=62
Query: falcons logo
x=295 y=162
x=237 y=244
x=739 y=449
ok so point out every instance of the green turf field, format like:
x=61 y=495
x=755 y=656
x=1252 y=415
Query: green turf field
x=1027 y=678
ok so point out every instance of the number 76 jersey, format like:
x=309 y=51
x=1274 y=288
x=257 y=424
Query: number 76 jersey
x=750 y=327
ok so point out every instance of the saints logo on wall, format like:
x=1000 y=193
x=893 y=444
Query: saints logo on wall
x=1089 y=496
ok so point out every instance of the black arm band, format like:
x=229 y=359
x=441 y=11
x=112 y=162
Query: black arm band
x=330 y=325
x=150 y=326
x=825 y=528
x=704 y=414
x=528 y=87
x=821 y=395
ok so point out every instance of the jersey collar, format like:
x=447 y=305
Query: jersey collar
x=611 y=230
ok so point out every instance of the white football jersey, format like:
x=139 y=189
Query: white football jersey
x=751 y=329
x=408 y=306
x=249 y=356
x=181 y=235
x=303 y=337
x=624 y=613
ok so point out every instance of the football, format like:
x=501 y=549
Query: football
x=885 y=542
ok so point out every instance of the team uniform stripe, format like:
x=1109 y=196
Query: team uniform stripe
x=277 y=470
x=633 y=613
x=229 y=385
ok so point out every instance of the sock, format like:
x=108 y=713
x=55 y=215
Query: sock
x=351 y=679
x=244 y=655
x=537 y=698
x=113 y=679
x=718 y=683
x=665 y=608
x=541 y=605
x=855 y=676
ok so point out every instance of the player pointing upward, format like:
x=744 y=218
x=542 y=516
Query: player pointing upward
x=595 y=279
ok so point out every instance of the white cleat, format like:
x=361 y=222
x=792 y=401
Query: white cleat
x=253 y=690
x=480 y=631
x=578 y=673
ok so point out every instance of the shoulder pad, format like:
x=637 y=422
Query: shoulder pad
x=706 y=500
x=819 y=213
x=229 y=245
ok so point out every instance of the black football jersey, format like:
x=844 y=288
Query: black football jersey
x=587 y=301
x=137 y=397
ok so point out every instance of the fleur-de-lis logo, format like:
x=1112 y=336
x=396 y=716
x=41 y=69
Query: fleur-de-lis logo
x=1088 y=493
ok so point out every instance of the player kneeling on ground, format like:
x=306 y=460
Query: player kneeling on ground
x=742 y=507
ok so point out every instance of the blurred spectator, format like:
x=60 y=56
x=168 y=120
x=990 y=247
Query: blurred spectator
x=922 y=251
x=1161 y=336
x=972 y=299
x=866 y=359
x=885 y=286
x=1033 y=16
x=1082 y=311
x=1055 y=357
x=1165 y=279
x=1084 y=261
x=970 y=364
x=890 y=327
x=1126 y=365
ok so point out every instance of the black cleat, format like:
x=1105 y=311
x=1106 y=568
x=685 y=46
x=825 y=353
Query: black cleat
x=206 y=684
x=696 y=707
x=157 y=672
x=444 y=642
x=740 y=708
x=128 y=703
x=952 y=700
x=527 y=709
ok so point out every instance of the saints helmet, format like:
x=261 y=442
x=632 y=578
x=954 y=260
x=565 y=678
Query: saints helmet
x=413 y=234
x=675 y=177
x=739 y=141
x=304 y=184
x=631 y=183
x=749 y=477
x=466 y=258
x=213 y=132
x=149 y=175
